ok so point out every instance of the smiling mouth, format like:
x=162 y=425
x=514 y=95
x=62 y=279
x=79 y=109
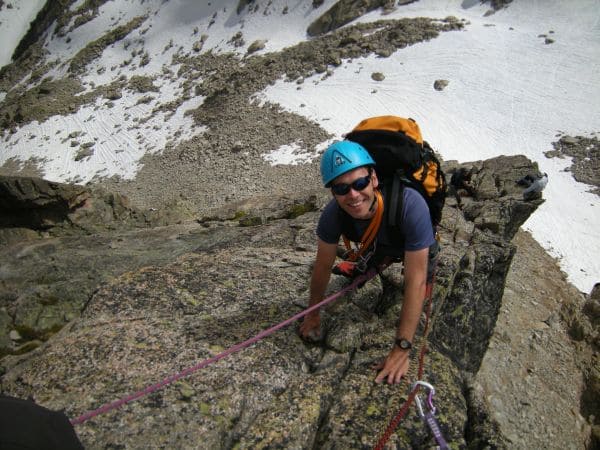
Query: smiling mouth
x=356 y=206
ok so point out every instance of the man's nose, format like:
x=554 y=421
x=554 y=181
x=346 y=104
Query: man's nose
x=353 y=192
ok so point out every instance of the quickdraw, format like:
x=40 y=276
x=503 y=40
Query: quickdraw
x=429 y=415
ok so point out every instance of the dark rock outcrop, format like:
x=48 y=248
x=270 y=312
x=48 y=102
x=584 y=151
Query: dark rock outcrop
x=40 y=205
x=344 y=12
x=219 y=283
x=50 y=12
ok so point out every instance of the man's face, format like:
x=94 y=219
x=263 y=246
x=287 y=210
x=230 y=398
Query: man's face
x=357 y=203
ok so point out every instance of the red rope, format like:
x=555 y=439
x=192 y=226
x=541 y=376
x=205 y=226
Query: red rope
x=411 y=397
x=172 y=378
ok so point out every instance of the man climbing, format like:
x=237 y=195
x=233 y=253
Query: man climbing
x=349 y=171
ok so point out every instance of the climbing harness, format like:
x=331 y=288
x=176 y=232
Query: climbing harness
x=415 y=389
x=358 y=281
x=429 y=415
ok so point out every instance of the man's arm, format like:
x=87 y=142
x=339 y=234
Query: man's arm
x=326 y=254
x=396 y=364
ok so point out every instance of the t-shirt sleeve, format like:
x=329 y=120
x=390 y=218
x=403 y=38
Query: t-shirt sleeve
x=416 y=222
x=329 y=228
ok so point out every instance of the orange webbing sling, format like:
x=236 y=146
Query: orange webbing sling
x=369 y=235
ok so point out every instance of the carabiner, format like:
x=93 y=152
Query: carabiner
x=429 y=416
x=431 y=390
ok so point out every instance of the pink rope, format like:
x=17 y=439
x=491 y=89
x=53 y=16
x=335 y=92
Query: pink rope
x=172 y=378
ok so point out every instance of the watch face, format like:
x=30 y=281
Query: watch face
x=403 y=344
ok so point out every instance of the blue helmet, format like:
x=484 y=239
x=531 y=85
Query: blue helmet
x=341 y=157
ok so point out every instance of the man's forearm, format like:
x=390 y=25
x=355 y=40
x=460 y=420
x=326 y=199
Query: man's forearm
x=321 y=273
x=415 y=282
x=318 y=285
x=414 y=294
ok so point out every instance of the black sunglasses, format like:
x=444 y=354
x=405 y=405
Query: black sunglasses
x=358 y=185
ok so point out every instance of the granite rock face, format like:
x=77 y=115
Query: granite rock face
x=159 y=300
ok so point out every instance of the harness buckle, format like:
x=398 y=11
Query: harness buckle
x=361 y=265
x=349 y=255
x=361 y=262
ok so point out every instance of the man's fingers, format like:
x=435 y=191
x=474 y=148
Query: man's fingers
x=310 y=333
x=314 y=335
x=383 y=372
x=392 y=377
x=380 y=376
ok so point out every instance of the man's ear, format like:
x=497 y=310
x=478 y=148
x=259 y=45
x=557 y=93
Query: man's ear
x=375 y=180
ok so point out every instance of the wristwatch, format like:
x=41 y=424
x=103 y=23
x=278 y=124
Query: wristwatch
x=404 y=344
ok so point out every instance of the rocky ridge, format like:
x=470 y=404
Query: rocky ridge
x=226 y=276
x=99 y=247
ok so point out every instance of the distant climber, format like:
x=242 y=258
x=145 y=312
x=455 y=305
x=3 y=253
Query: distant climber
x=526 y=180
x=535 y=185
x=462 y=184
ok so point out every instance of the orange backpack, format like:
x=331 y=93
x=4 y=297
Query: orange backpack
x=402 y=158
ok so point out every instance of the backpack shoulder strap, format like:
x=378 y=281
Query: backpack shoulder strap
x=394 y=199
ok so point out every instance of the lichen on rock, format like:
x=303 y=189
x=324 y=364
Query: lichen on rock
x=160 y=308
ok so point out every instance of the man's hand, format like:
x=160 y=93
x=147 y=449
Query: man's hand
x=394 y=367
x=310 y=329
x=396 y=364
